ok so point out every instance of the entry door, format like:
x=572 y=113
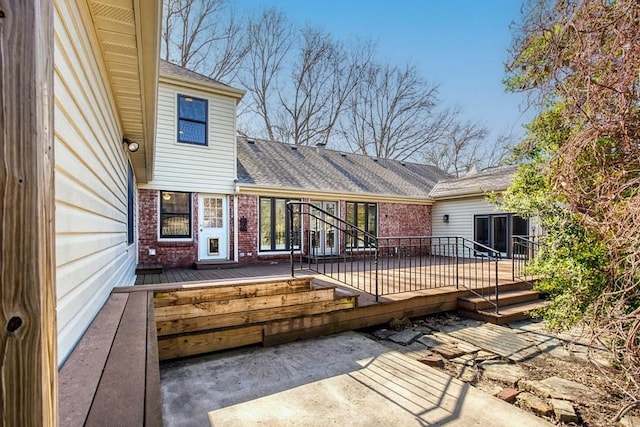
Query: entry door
x=324 y=235
x=213 y=240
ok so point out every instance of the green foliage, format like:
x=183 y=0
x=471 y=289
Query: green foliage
x=572 y=265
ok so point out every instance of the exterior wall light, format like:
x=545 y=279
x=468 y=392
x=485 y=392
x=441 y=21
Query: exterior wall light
x=131 y=145
x=445 y=218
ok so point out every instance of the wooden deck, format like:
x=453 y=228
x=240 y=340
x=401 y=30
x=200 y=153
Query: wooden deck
x=397 y=279
x=202 y=322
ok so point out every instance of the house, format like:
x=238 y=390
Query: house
x=148 y=168
x=461 y=209
x=185 y=208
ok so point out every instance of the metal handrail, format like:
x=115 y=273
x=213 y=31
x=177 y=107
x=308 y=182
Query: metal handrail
x=524 y=249
x=451 y=260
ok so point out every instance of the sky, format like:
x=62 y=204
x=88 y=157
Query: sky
x=460 y=45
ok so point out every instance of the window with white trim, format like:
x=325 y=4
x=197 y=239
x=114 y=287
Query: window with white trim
x=192 y=120
x=175 y=215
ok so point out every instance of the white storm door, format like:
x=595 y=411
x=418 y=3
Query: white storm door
x=213 y=238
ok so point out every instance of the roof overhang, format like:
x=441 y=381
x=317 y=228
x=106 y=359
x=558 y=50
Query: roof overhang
x=473 y=195
x=210 y=88
x=291 y=192
x=128 y=32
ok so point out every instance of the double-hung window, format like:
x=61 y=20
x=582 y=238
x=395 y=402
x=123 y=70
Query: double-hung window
x=175 y=215
x=275 y=225
x=192 y=120
x=364 y=216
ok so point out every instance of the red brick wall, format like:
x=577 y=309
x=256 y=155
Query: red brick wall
x=248 y=240
x=397 y=220
x=393 y=220
x=168 y=253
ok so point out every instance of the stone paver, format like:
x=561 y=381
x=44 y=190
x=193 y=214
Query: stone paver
x=569 y=390
x=383 y=334
x=466 y=374
x=405 y=337
x=534 y=404
x=536 y=387
x=429 y=341
x=434 y=361
x=465 y=359
x=564 y=411
x=448 y=351
x=500 y=371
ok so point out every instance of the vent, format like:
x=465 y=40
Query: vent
x=119 y=49
x=112 y=12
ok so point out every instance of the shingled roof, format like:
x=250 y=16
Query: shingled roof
x=169 y=69
x=474 y=184
x=275 y=164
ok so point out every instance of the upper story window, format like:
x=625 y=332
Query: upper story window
x=192 y=120
x=175 y=215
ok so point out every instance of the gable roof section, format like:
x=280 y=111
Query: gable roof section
x=474 y=184
x=174 y=74
x=268 y=164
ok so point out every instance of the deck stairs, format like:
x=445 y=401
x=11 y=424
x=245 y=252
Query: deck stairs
x=516 y=302
x=197 y=320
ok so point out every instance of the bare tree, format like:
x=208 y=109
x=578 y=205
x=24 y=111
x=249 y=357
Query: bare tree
x=323 y=73
x=461 y=149
x=270 y=38
x=203 y=36
x=390 y=114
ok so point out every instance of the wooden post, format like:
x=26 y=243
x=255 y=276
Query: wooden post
x=28 y=366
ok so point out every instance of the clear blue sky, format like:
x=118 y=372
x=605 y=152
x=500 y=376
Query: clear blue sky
x=461 y=45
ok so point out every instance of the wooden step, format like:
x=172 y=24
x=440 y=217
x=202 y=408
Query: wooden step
x=214 y=292
x=149 y=269
x=239 y=305
x=507 y=314
x=261 y=316
x=215 y=264
x=505 y=298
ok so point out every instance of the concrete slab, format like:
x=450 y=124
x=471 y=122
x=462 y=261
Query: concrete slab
x=344 y=379
x=391 y=390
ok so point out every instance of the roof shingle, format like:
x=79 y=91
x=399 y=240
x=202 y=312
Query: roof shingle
x=475 y=184
x=275 y=164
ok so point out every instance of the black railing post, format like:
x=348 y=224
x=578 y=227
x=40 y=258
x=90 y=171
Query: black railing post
x=496 y=279
x=291 y=231
x=377 y=255
x=457 y=265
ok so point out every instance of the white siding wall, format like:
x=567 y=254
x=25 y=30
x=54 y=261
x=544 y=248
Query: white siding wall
x=461 y=212
x=193 y=168
x=92 y=253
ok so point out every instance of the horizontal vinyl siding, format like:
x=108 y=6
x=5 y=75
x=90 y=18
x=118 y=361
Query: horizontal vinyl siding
x=461 y=212
x=92 y=253
x=188 y=167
